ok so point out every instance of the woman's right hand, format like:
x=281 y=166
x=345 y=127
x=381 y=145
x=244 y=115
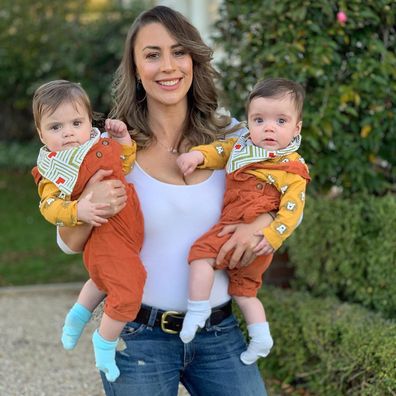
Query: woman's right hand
x=111 y=192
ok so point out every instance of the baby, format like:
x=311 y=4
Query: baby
x=73 y=152
x=265 y=174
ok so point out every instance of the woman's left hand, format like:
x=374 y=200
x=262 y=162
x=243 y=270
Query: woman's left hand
x=263 y=248
x=243 y=241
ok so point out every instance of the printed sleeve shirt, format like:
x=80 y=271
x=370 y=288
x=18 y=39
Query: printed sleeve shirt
x=58 y=208
x=287 y=173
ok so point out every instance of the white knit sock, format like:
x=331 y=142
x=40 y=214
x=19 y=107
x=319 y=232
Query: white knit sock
x=260 y=344
x=197 y=313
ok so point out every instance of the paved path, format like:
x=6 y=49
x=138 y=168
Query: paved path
x=32 y=360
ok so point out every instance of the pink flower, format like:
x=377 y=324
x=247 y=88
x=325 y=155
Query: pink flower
x=342 y=17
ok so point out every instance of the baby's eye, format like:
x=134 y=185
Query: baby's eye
x=258 y=120
x=55 y=127
x=77 y=123
x=281 y=121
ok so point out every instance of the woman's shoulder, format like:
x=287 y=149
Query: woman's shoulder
x=235 y=128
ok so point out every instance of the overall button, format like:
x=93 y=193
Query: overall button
x=105 y=142
x=259 y=186
x=99 y=154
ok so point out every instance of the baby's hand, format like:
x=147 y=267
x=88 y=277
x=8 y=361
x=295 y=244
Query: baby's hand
x=116 y=128
x=187 y=162
x=91 y=213
x=263 y=248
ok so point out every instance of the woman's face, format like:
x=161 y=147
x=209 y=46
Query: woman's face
x=163 y=65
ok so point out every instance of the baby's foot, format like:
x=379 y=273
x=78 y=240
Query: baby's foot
x=105 y=356
x=260 y=344
x=75 y=321
x=197 y=313
x=256 y=350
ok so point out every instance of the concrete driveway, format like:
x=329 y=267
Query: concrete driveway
x=32 y=360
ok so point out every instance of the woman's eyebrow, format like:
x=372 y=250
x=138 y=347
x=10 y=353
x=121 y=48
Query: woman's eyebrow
x=155 y=47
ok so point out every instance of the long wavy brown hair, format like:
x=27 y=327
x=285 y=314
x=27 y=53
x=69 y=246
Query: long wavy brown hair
x=203 y=123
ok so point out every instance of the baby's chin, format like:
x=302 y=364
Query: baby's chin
x=64 y=147
x=70 y=145
x=269 y=147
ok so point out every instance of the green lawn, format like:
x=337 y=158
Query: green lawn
x=28 y=250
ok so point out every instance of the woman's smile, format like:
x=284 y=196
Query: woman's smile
x=169 y=83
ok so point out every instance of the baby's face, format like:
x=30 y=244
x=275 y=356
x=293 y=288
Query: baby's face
x=68 y=126
x=273 y=122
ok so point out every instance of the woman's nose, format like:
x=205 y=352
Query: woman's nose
x=167 y=63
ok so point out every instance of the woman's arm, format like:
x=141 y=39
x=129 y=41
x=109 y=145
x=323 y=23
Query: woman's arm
x=243 y=240
x=104 y=191
x=72 y=239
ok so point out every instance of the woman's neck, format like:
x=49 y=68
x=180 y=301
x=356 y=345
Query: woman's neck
x=167 y=122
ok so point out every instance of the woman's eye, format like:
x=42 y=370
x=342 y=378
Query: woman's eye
x=152 y=55
x=180 y=52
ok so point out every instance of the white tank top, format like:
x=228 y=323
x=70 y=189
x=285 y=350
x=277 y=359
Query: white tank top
x=174 y=217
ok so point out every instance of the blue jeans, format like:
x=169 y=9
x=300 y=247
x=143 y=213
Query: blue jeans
x=154 y=362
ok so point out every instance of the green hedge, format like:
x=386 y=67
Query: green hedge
x=20 y=156
x=349 y=72
x=347 y=248
x=329 y=348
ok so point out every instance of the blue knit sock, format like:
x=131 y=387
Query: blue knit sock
x=75 y=321
x=105 y=356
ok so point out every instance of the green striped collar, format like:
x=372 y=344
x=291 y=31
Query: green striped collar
x=245 y=152
x=62 y=167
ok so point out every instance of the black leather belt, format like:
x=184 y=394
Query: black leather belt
x=171 y=321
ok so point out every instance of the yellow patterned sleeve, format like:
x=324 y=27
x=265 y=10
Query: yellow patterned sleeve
x=57 y=211
x=128 y=156
x=292 y=188
x=216 y=154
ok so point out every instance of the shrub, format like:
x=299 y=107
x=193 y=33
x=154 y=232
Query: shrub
x=348 y=70
x=329 y=348
x=42 y=41
x=347 y=248
x=19 y=156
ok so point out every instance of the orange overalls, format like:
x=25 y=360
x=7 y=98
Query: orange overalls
x=246 y=197
x=111 y=253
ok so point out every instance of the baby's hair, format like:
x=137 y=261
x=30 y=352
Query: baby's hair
x=49 y=96
x=278 y=88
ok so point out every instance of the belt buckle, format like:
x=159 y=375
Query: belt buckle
x=164 y=321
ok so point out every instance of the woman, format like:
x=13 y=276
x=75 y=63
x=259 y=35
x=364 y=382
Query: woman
x=164 y=91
